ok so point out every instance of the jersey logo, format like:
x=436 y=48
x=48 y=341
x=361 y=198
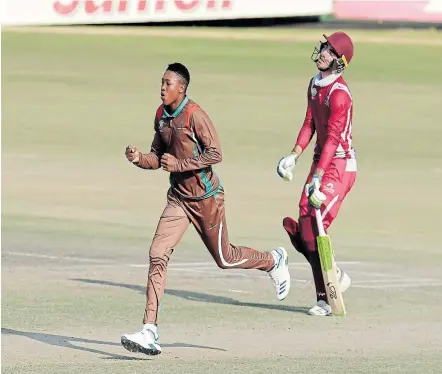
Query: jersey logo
x=181 y=126
x=160 y=125
x=329 y=188
x=314 y=92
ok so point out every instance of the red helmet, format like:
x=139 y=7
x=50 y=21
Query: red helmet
x=341 y=43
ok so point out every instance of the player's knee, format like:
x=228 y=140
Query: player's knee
x=292 y=229
x=308 y=236
x=290 y=225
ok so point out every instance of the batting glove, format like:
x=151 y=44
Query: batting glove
x=315 y=197
x=286 y=166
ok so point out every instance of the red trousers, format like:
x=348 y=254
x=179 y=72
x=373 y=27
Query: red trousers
x=336 y=184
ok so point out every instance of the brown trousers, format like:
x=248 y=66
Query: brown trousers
x=208 y=218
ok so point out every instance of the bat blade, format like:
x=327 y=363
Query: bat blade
x=329 y=273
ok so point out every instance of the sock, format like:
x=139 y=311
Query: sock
x=315 y=263
x=151 y=327
x=275 y=260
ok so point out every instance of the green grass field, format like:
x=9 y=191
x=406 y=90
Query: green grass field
x=77 y=218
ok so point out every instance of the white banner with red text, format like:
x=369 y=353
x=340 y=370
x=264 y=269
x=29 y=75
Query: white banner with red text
x=65 y=12
x=392 y=10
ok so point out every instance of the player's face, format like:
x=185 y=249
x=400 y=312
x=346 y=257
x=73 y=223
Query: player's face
x=171 y=87
x=326 y=58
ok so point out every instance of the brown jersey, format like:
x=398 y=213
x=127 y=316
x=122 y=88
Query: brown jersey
x=190 y=136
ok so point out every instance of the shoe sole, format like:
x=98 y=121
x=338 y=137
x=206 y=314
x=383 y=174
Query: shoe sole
x=319 y=315
x=135 y=347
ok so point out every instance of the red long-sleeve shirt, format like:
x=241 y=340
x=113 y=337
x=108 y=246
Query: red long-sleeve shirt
x=329 y=114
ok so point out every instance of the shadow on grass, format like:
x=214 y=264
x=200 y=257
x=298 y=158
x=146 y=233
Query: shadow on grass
x=68 y=342
x=199 y=296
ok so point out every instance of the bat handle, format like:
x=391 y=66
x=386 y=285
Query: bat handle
x=321 y=230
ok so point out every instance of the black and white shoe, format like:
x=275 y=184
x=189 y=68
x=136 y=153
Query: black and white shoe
x=146 y=341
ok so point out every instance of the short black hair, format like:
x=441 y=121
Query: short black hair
x=181 y=70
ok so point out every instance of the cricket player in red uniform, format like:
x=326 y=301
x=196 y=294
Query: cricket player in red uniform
x=186 y=145
x=329 y=115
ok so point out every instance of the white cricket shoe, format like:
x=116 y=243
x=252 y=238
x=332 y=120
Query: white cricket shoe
x=280 y=274
x=146 y=341
x=344 y=280
x=320 y=309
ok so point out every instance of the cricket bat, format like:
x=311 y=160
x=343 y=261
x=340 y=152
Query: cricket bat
x=329 y=270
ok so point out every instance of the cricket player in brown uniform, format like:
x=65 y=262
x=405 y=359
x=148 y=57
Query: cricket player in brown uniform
x=186 y=145
x=329 y=114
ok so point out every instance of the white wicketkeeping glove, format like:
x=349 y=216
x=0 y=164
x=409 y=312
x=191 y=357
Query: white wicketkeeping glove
x=286 y=166
x=315 y=197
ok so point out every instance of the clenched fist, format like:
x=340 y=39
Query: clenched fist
x=133 y=154
x=169 y=163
